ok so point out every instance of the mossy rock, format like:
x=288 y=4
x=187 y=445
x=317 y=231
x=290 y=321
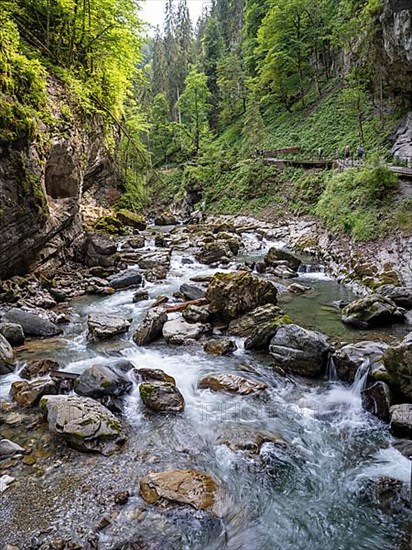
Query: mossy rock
x=110 y=225
x=129 y=218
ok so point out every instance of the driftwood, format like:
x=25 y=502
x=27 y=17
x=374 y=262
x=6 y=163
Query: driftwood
x=172 y=308
x=63 y=375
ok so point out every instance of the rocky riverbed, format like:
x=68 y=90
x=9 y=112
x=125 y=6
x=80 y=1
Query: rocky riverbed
x=204 y=386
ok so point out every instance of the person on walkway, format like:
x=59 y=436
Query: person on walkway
x=360 y=151
x=346 y=153
x=320 y=153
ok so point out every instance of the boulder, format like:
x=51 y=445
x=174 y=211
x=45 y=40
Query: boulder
x=104 y=325
x=349 y=358
x=165 y=218
x=154 y=274
x=9 y=448
x=140 y=295
x=154 y=375
x=6 y=356
x=84 y=423
x=233 y=294
x=38 y=368
x=161 y=397
x=192 y=292
x=128 y=278
x=230 y=383
x=276 y=255
x=28 y=394
x=400 y=295
x=401 y=420
x=99 y=251
x=248 y=438
x=137 y=241
x=155 y=259
x=372 y=311
x=31 y=323
x=178 y=331
x=377 y=400
x=398 y=363
x=13 y=333
x=390 y=495
x=220 y=347
x=262 y=315
x=127 y=217
x=192 y=487
x=196 y=314
x=214 y=252
x=151 y=327
x=100 y=380
x=300 y=351
x=297 y=288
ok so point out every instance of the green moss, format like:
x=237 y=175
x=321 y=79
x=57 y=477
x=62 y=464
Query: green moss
x=109 y=224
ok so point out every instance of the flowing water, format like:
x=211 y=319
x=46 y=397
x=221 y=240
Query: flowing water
x=307 y=496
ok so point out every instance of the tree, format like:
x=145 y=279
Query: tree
x=162 y=130
x=254 y=131
x=213 y=49
x=232 y=88
x=159 y=76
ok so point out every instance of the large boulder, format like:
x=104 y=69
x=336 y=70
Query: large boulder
x=230 y=383
x=125 y=279
x=401 y=420
x=398 y=363
x=13 y=333
x=6 y=356
x=98 y=251
x=372 y=311
x=100 y=380
x=349 y=358
x=40 y=367
x=161 y=397
x=127 y=217
x=84 y=423
x=401 y=295
x=165 y=218
x=277 y=255
x=196 y=314
x=28 y=394
x=104 y=325
x=152 y=260
x=178 y=331
x=31 y=323
x=192 y=487
x=192 y=292
x=151 y=327
x=299 y=350
x=377 y=400
x=262 y=315
x=233 y=294
x=223 y=346
x=217 y=251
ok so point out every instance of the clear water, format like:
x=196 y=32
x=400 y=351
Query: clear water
x=307 y=497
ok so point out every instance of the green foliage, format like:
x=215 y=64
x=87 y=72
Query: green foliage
x=404 y=215
x=358 y=201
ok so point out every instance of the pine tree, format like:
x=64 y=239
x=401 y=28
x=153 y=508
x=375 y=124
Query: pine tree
x=254 y=131
x=159 y=76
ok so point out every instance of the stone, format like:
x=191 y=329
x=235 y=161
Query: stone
x=401 y=420
x=121 y=498
x=128 y=278
x=141 y=295
x=58 y=295
x=161 y=397
x=155 y=259
x=262 y=315
x=166 y=218
x=390 y=495
x=281 y=254
x=104 y=325
x=154 y=274
x=192 y=487
x=28 y=394
x=377 y=400
x=191 y=292
x=297 y=288
x=248 y=438
x=85 y=424
x=154 y=375
x=100 y=380
x=127 y=217
x=220 y=347
x=38 y=368
x=178 y=331
x=398 y=363
x=372 y=311
x=151 y=327
x=5 y=482
x=233 y=294
x=214 y=252
x=196 y=314
x=138 y=241
x=31 y=323
x=348 y=359
x=9 y=448
x=99 y=251
x=6 y=356
x=300 y=351
x=13 y=333
x=400 y=295
x=230 y=383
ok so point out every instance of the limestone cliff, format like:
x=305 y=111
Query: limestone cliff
x=42 y=182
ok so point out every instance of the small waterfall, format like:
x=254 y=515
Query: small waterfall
x=331 y=370
x=360 y=379
x=311 y=268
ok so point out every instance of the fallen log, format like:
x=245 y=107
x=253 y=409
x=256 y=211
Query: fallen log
x=173 y=308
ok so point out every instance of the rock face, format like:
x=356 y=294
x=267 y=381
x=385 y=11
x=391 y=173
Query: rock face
x=276 y=255
x=398 y=363
x=233 y=294
x=99 y=380
x=400 y=295
x=31 y=323
x=372 y=311
x=377 y=400
x=102 y=326
x=300 y=351
x=220 y=347
x=28 y=394
x=401 y=420
x=191 y=487
x=230 y=383
x=13 y=333
x=151 y=327
x=6 y=356
x=178 y=331
x=84 y=423
x=125 y=279
x=161 y=397
x=349 y=358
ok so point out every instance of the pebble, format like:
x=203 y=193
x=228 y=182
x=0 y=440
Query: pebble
x=5 y=482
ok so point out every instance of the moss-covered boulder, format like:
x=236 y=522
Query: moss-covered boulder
x=398 y=363
x=131 y=219
x=233 y=294
x=161 y=397
x=372 y=311
x=110 y=225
